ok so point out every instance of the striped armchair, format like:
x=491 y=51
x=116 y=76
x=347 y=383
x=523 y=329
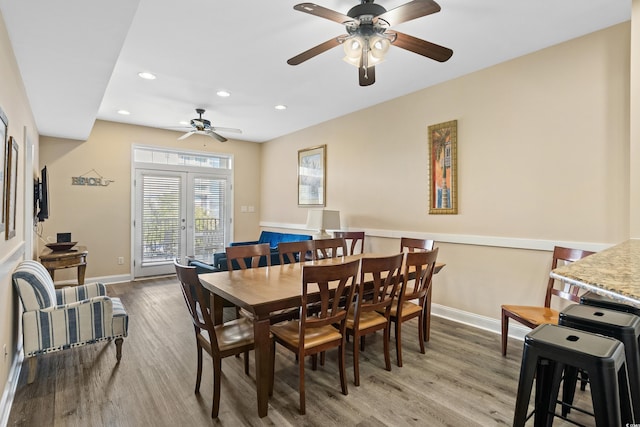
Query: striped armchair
x=59 y=319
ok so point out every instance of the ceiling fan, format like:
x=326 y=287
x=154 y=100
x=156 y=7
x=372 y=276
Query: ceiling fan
x=203 y=126
x=369 y=35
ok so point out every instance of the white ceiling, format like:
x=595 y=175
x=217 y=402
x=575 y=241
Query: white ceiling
x=79 y=59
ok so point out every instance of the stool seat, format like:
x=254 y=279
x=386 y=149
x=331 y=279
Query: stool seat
x=623 y=326
x=548 y=349
x=593 y=299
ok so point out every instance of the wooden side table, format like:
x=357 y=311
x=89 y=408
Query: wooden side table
x=74 y=257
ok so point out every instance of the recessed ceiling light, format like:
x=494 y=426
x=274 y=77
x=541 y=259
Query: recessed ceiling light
x=147 y=76
x=184 y=122
x=280 y=107
x=223 y=93
x=124 y=112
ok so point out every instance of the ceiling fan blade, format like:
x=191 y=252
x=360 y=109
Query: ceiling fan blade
x=215 y=135
x=219 y=129
x=408 y=11
x=422 y=47
x=187 y=135
x=314 y=51
x=323 y=12
x=367 y=75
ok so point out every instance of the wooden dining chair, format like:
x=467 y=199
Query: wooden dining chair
x=314 y=333
x=371 y=314
x=220 y=341
x=534 y=316
x=409 y=244
x=241 y=253
x=292 y=252
x=353 y=239
x=422 y=265
x=329 y=248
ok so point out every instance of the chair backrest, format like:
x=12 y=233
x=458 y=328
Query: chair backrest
x=243 y=252
x=353 y=240
x=197 y=299
x=335 y=286
x=34 y=285
x=384 y=273
x=422 y=264
x=328 y=248
x=568 y=292
x=292 y=252
x=408 y=244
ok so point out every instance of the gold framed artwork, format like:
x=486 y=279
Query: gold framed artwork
x=11 y=188
x=311 y=176
x=443 y=168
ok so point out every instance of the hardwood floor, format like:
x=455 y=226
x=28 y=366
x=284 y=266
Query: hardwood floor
x=462 y=380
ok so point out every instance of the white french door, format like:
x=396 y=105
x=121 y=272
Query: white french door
x=178 y=214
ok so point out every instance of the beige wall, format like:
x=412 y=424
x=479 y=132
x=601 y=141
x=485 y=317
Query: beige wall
x=100 y=217
x=14 y=103
x=543 y=146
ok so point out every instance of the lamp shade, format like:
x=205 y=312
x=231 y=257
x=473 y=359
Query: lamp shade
x=321 y=220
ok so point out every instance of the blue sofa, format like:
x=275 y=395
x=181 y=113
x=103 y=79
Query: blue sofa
x=270 y=237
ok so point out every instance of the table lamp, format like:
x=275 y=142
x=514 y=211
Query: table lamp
x=321 y=219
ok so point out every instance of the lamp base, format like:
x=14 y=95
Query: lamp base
x=320 y=235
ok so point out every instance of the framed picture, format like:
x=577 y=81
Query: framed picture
x=4 y=123
x=443 y=168
x=11 y=188
x=311 y=176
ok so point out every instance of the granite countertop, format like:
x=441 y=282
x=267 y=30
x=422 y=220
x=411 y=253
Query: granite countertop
x=613 y=272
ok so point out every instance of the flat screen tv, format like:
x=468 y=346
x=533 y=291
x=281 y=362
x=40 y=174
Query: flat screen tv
x=42 y=195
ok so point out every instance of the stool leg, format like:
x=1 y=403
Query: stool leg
x=525 y=384
x=604 y=395
x=627 y=409
x=569 y=388
x=545 y=399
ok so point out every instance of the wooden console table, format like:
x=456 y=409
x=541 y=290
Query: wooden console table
x=75 y=257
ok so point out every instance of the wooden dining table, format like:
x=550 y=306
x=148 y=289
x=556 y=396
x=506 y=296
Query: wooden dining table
x=262 y=291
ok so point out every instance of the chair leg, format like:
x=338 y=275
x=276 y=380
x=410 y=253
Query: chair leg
x=343 y=372
x=217 y=379
x=199 y=371
x=356 y=360
x=33 y=368
x=505 y=332
x=119 y=342
x=421 y=332
x=303 y=409
x=387 y=338
x=246 y=363
x=399 y=342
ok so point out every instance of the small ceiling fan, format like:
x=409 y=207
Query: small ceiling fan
x=369 y=35
x=203 y=127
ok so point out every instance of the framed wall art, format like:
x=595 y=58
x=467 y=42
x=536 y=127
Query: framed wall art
x=4 y=123
x=11 y=188
x=443 y=168
x=311 y=176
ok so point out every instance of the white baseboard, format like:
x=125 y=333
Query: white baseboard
x=103 y=279
x=10 y=388
x=482 y=322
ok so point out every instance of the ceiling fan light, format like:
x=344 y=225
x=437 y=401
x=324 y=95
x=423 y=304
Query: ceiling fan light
x=378 y=47
x=352 y=47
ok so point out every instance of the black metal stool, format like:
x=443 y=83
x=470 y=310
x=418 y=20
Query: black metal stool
x=548 y=349
x=595 y=300
x=620 y=325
